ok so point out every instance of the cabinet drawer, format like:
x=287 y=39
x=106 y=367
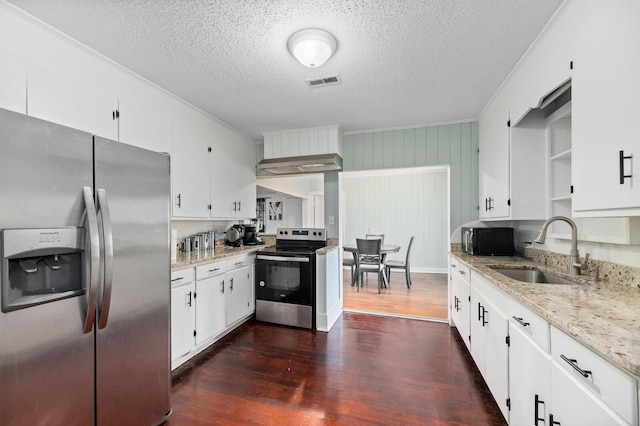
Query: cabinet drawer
x=533 y=326
x=237 y=262
x=459 y=268
x=210 y=269
x=182 y=276
x=492 y=293
x=616 y=389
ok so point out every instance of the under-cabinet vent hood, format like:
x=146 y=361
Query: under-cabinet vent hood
x=301 y=164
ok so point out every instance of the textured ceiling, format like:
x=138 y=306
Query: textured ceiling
x=401 y=62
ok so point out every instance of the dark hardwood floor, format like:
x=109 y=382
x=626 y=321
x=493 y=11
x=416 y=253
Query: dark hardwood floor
x=368 y=370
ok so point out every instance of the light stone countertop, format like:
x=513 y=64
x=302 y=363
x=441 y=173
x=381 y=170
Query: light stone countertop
x=603 y=315
x=190 y=259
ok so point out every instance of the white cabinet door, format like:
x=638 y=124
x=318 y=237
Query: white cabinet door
x=605 y=89
x=139 y=126
x=529 y=374
x=210 y=307
x=239 y=294
x=56 y=99
x=190 y=174
x=233 y=178
x=572 y=404
x=489 y=331
x=13 y=83
x=493 y=160
x=182 y=319
x=460 y=308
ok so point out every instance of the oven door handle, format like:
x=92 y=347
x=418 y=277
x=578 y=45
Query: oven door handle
x=283 y=258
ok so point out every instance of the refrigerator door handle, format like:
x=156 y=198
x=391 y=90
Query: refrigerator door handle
x=94 y=259
x=103 y=209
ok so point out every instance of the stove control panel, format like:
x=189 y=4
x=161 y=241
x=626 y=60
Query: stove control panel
x=301 y=234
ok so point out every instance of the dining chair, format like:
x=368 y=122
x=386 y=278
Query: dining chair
x=399 y=264
x=371 y=236
x=351 y=263
x=369 y=259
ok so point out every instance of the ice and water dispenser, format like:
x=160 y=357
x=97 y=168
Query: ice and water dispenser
x=41 y=266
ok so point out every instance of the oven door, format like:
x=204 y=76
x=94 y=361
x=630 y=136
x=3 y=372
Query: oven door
x=286 y=278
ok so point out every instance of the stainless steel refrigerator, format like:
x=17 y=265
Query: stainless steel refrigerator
x=85 y=278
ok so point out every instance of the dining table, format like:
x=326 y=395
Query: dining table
x=384 y=250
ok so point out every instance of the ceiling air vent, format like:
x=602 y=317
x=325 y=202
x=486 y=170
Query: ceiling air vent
x=323 y=81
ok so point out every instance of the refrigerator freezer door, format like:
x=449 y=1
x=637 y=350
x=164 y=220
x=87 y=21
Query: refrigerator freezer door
x=46 y=360
x=133 y=344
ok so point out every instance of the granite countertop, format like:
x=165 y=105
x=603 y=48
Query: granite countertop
x=603 y=315
x=189 y=259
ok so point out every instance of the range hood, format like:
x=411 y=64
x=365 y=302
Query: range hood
x=301 y=164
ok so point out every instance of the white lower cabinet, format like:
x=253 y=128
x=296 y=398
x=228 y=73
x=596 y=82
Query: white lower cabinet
x=529 y=387
x=183 y=312
x=537 y=374
x=489 y=331
x=240 y=285
x=207 y=302
x=210 y=299
x=459 y=278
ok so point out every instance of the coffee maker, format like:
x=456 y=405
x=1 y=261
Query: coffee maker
x=235 y=236
x=251 y=235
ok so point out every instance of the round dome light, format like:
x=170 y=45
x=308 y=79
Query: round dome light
x=312 y=47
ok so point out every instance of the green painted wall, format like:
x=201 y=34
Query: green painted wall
x=455 y=145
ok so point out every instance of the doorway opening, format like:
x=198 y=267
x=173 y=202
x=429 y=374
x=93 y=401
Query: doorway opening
x=400 y=203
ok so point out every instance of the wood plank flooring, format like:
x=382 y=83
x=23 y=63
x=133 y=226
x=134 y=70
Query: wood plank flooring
x=367 y=370
x=427 y=297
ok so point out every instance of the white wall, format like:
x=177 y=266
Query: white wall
x=400 y=203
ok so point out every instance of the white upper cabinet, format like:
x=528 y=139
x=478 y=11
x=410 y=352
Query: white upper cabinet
x=190 y=174
x=59 y=100
x=606 y=87
x=493 y=159
x=142 y=127
x=13 y=83
x=233 y=176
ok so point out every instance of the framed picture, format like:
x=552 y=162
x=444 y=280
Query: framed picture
x=275 y=210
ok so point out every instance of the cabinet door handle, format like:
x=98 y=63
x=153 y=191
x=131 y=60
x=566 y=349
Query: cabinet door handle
x=574 y=363
x=521 y=321
x=551 y=421
x=462 y=272
x=239 y=206
x=213 y=270
x=176 y=279
x=231 y=284
x=481 y=312
x=622 y=175
x=179 y=200
x=536 y=415
x=189 y=299
x=222 y=286
x=456 y=303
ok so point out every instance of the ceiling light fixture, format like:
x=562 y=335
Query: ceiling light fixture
x=312 y=47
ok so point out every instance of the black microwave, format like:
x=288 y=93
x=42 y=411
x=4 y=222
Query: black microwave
x=488 y=241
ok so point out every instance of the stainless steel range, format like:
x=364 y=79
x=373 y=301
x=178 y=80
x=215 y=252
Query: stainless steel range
x=286 y=278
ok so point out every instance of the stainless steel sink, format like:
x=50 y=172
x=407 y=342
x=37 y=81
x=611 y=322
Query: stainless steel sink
x=533 y=275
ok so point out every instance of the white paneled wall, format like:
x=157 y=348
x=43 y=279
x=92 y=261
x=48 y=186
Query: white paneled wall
x=401 y=203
